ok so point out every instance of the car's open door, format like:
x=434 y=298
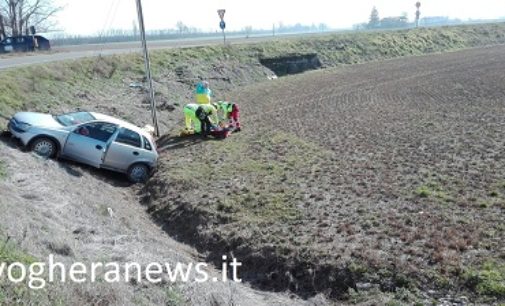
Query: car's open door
x=88 y=143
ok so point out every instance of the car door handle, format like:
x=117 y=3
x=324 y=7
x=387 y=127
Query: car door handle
x=99 y=147
x=136 y=153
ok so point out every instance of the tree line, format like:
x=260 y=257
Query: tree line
x=181 y=30
x=18 y=16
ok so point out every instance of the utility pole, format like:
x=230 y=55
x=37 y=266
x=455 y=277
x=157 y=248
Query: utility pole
x=148 y=67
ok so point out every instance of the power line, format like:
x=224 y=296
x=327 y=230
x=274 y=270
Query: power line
x=109 y=19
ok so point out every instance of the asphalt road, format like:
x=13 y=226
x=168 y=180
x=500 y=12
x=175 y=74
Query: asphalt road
x=79 y=51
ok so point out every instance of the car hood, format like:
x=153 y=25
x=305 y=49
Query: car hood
x=37 y=119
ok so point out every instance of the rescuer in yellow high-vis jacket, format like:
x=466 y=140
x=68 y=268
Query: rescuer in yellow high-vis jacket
x=204 y=117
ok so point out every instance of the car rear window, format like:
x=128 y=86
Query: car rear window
x=129 y=137
x=147 y=144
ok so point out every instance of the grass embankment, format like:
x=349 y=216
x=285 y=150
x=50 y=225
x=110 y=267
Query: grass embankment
x=67 y=85
x=353 y=48
x=103 y=83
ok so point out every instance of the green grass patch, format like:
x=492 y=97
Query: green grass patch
x=437 y=189
x=488 y=280
x=10 y=253
x=489 y=202
x=423 y=192
x=11 y=293
x=175 y=297
x=267 y=169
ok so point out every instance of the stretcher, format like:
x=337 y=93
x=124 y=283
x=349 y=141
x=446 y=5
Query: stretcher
x=216 y=132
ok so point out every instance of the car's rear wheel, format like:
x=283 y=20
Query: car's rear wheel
x=44 y=147
x=138 y=173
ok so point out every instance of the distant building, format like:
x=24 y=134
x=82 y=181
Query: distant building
x=394 y=22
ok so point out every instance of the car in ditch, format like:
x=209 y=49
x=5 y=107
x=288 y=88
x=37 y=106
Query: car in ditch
x=91 y=138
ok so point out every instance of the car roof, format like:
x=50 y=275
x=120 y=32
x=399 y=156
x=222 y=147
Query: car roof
x=121 y=123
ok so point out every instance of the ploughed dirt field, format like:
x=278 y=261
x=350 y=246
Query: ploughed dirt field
x=383 y=179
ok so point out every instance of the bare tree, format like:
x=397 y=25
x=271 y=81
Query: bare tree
x=2 y=27
x=248 y=30
x=181 y=27
x=135 y=29
x=16 y=16
x=323 y=27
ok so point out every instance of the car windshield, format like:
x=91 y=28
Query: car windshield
x=74 y=118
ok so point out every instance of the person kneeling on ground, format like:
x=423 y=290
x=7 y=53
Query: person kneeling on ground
x=207 y=114
x=231 y=113
x=190 y=118
x=203 y=116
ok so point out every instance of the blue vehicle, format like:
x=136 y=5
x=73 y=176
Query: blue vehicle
x=25 y=43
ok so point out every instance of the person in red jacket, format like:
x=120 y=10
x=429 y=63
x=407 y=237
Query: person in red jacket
x=231 y=113
x=235 y=117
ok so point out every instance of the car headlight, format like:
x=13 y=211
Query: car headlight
x=23 y=126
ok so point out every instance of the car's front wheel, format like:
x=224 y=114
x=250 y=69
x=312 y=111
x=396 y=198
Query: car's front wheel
x=138 y=173
x=44 y=147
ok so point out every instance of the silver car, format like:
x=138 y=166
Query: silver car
x=91 y=138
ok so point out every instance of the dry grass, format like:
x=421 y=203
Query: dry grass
x=61 y=208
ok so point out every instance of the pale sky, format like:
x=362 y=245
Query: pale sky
x=94 y=16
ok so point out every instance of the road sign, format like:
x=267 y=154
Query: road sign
x=418 y=4
x=221 y=13
x=222 y=24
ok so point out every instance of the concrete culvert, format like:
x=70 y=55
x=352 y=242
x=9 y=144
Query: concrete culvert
x=292 y=64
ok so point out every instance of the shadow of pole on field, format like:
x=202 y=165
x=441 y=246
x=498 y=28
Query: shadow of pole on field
x=171 y=142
